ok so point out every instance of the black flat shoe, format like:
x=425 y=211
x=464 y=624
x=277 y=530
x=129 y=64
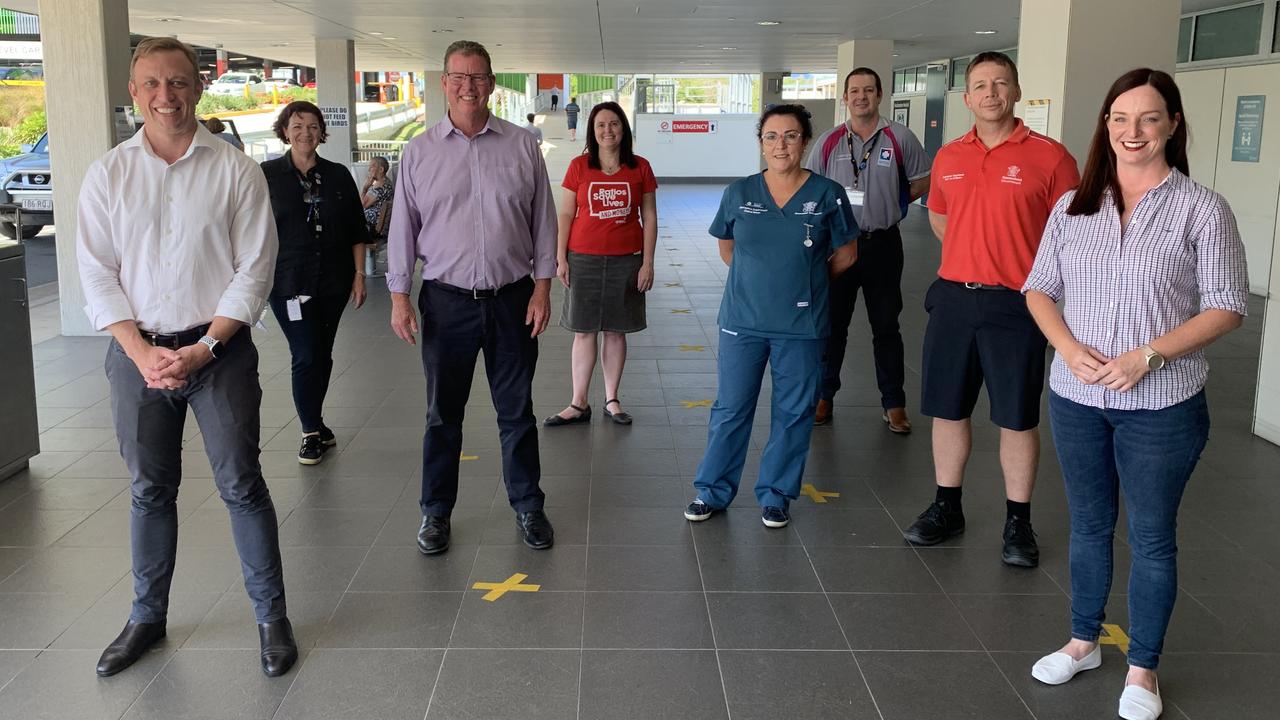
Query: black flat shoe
x=622 y=418
x=584 y=415
x=131 y=644
x=279 y=649
x=433 y=536
x=535 y=529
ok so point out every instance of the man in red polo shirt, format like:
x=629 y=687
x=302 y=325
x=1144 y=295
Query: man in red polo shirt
x=989 y=199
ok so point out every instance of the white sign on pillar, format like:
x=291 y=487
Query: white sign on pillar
x=335 y=116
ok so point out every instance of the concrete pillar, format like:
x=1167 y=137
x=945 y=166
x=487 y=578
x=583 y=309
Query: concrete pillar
x=1070 y=51
x=771 y=88
x=335 y=66
x=433 y=103
x=220 y=67
x=875 y=54
x=1266 y=409
x=86 y=70
x=266 y=68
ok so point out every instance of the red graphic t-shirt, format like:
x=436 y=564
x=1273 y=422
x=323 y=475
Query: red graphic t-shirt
x=608 y=217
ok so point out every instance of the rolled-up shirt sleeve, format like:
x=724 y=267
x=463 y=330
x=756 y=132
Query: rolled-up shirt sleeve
x=1221 y=269
x=1046 y=272
x=254 y=245
x=96 y=255
x=544 y=221
x=406 y=223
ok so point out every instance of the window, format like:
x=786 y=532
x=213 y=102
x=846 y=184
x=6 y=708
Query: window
x=1227 y=33
x=1184 y=39
x=958 y=68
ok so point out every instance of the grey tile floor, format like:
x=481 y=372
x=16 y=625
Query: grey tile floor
x=639 y=614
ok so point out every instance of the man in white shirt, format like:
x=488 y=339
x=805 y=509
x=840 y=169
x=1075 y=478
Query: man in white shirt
x=176 y=246
x=532 y=127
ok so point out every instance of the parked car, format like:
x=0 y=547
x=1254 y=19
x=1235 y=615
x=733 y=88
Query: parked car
x=233 y=83
x=26 y=181
x=278 y=83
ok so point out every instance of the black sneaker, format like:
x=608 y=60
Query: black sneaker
x=1020 y=544
x=698 y=511
x=937 y=523
x=326 y=437
x=311 y=451
x=774 y=517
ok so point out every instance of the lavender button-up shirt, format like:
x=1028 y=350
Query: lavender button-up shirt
x=1179 y=255
x=477 y=211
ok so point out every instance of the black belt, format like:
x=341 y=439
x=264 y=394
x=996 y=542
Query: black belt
x=981 y=286
x=477 y=293
x=173 y=341
x=891 y=231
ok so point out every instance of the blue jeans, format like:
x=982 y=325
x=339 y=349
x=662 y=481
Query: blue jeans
x=796 y=367
x=1149 y=455
x=226 y=397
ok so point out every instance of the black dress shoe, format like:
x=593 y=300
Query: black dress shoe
x=535 y=529
x=129 y=645
x=279 y=649
x=1020 y=546
x=433 y=536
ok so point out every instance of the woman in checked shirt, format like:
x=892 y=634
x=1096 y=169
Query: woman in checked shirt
x=1152 y=270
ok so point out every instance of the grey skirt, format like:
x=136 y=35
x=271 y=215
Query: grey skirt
x=602 y=294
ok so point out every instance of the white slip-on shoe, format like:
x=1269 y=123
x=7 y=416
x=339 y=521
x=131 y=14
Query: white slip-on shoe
x=1057 y=668
x=1139 y=703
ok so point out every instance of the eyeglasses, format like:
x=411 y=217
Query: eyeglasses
x=791 y=137
x=460 y=78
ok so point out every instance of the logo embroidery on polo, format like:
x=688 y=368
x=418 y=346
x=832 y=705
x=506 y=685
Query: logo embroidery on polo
x=809 y=208
x=753 y=208
x=1013 y=175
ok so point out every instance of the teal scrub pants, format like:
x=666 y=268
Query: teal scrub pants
x=796 y=367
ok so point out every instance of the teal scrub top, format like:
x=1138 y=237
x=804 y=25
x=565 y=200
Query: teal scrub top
x=777 y=284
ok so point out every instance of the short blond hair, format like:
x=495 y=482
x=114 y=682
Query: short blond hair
x=154 y=45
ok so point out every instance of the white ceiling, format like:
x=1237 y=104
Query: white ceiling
x=614 y=36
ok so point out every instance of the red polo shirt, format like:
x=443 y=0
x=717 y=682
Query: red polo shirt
x=997 y=202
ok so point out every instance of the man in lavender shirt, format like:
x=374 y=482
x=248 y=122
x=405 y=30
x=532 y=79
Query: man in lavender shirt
x=473 y=202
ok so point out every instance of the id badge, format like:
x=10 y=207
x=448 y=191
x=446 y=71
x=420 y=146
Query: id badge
x=294 y=307
x=856 y=197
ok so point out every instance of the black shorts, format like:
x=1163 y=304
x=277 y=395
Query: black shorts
x=981 y=335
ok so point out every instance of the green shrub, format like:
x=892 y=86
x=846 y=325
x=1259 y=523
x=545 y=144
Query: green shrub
x=31 y=128
x=210 y=104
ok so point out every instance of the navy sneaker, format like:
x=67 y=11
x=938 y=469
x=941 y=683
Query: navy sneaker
x=312 y=450
x=326 y=437
x=774 y=517
x=698 y=511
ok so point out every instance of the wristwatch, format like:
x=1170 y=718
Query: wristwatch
x=1155 y=360
x=211 y=343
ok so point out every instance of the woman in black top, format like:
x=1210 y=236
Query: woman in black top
x=320 y=221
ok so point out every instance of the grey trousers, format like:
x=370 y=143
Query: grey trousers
x=226 y=397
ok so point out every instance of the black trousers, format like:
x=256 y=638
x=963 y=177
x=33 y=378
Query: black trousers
x=455 y=328
x=311 y=348
x=878 y=273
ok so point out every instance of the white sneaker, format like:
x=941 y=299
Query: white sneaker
x=1059 y=667
x=1139 y=703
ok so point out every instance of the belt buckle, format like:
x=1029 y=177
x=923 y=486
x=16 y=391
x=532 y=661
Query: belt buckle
x=163 y=340
x=973 y=285
x=479 y=294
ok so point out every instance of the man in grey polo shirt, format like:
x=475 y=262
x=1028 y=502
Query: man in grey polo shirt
x=883 y=168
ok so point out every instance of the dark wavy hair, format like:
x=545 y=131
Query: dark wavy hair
x=626 y=155
x=293 y=108
x=799 y=112
x=1100 y=169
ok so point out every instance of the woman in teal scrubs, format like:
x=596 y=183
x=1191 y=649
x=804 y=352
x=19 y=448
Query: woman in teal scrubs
x=783 y=233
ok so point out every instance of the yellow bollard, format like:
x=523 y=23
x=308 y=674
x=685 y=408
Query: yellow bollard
x=275 y=95
x=246 y=91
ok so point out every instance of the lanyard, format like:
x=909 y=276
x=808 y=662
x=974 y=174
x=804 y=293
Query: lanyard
x=311 y=198
x=868 y=147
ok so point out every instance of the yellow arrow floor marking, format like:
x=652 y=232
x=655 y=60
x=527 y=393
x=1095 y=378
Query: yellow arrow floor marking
x=817 y=495
x=680 y=311
x=691 y=404
x=1113 y=635
x=464 y=457
x=511 y=584
x=693 y=348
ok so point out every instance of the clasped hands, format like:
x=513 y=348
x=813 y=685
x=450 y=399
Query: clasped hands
x=1093 y=368
x=166 y=369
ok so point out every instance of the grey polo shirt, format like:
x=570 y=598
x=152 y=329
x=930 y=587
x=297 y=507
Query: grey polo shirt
x=879 y=179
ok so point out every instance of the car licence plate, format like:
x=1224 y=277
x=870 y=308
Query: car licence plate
x=37 y=204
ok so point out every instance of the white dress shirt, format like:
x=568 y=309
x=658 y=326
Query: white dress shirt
x=171 y=246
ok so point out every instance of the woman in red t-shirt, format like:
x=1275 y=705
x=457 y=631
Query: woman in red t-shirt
x=608 y=231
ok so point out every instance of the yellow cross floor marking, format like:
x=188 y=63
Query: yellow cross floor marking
x=673 y=284
x=1113 y=635
x=511 y=584
x=464 y=457
x=680 y=311
x=693 y=348
x=817 y=495
x=691 y=404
